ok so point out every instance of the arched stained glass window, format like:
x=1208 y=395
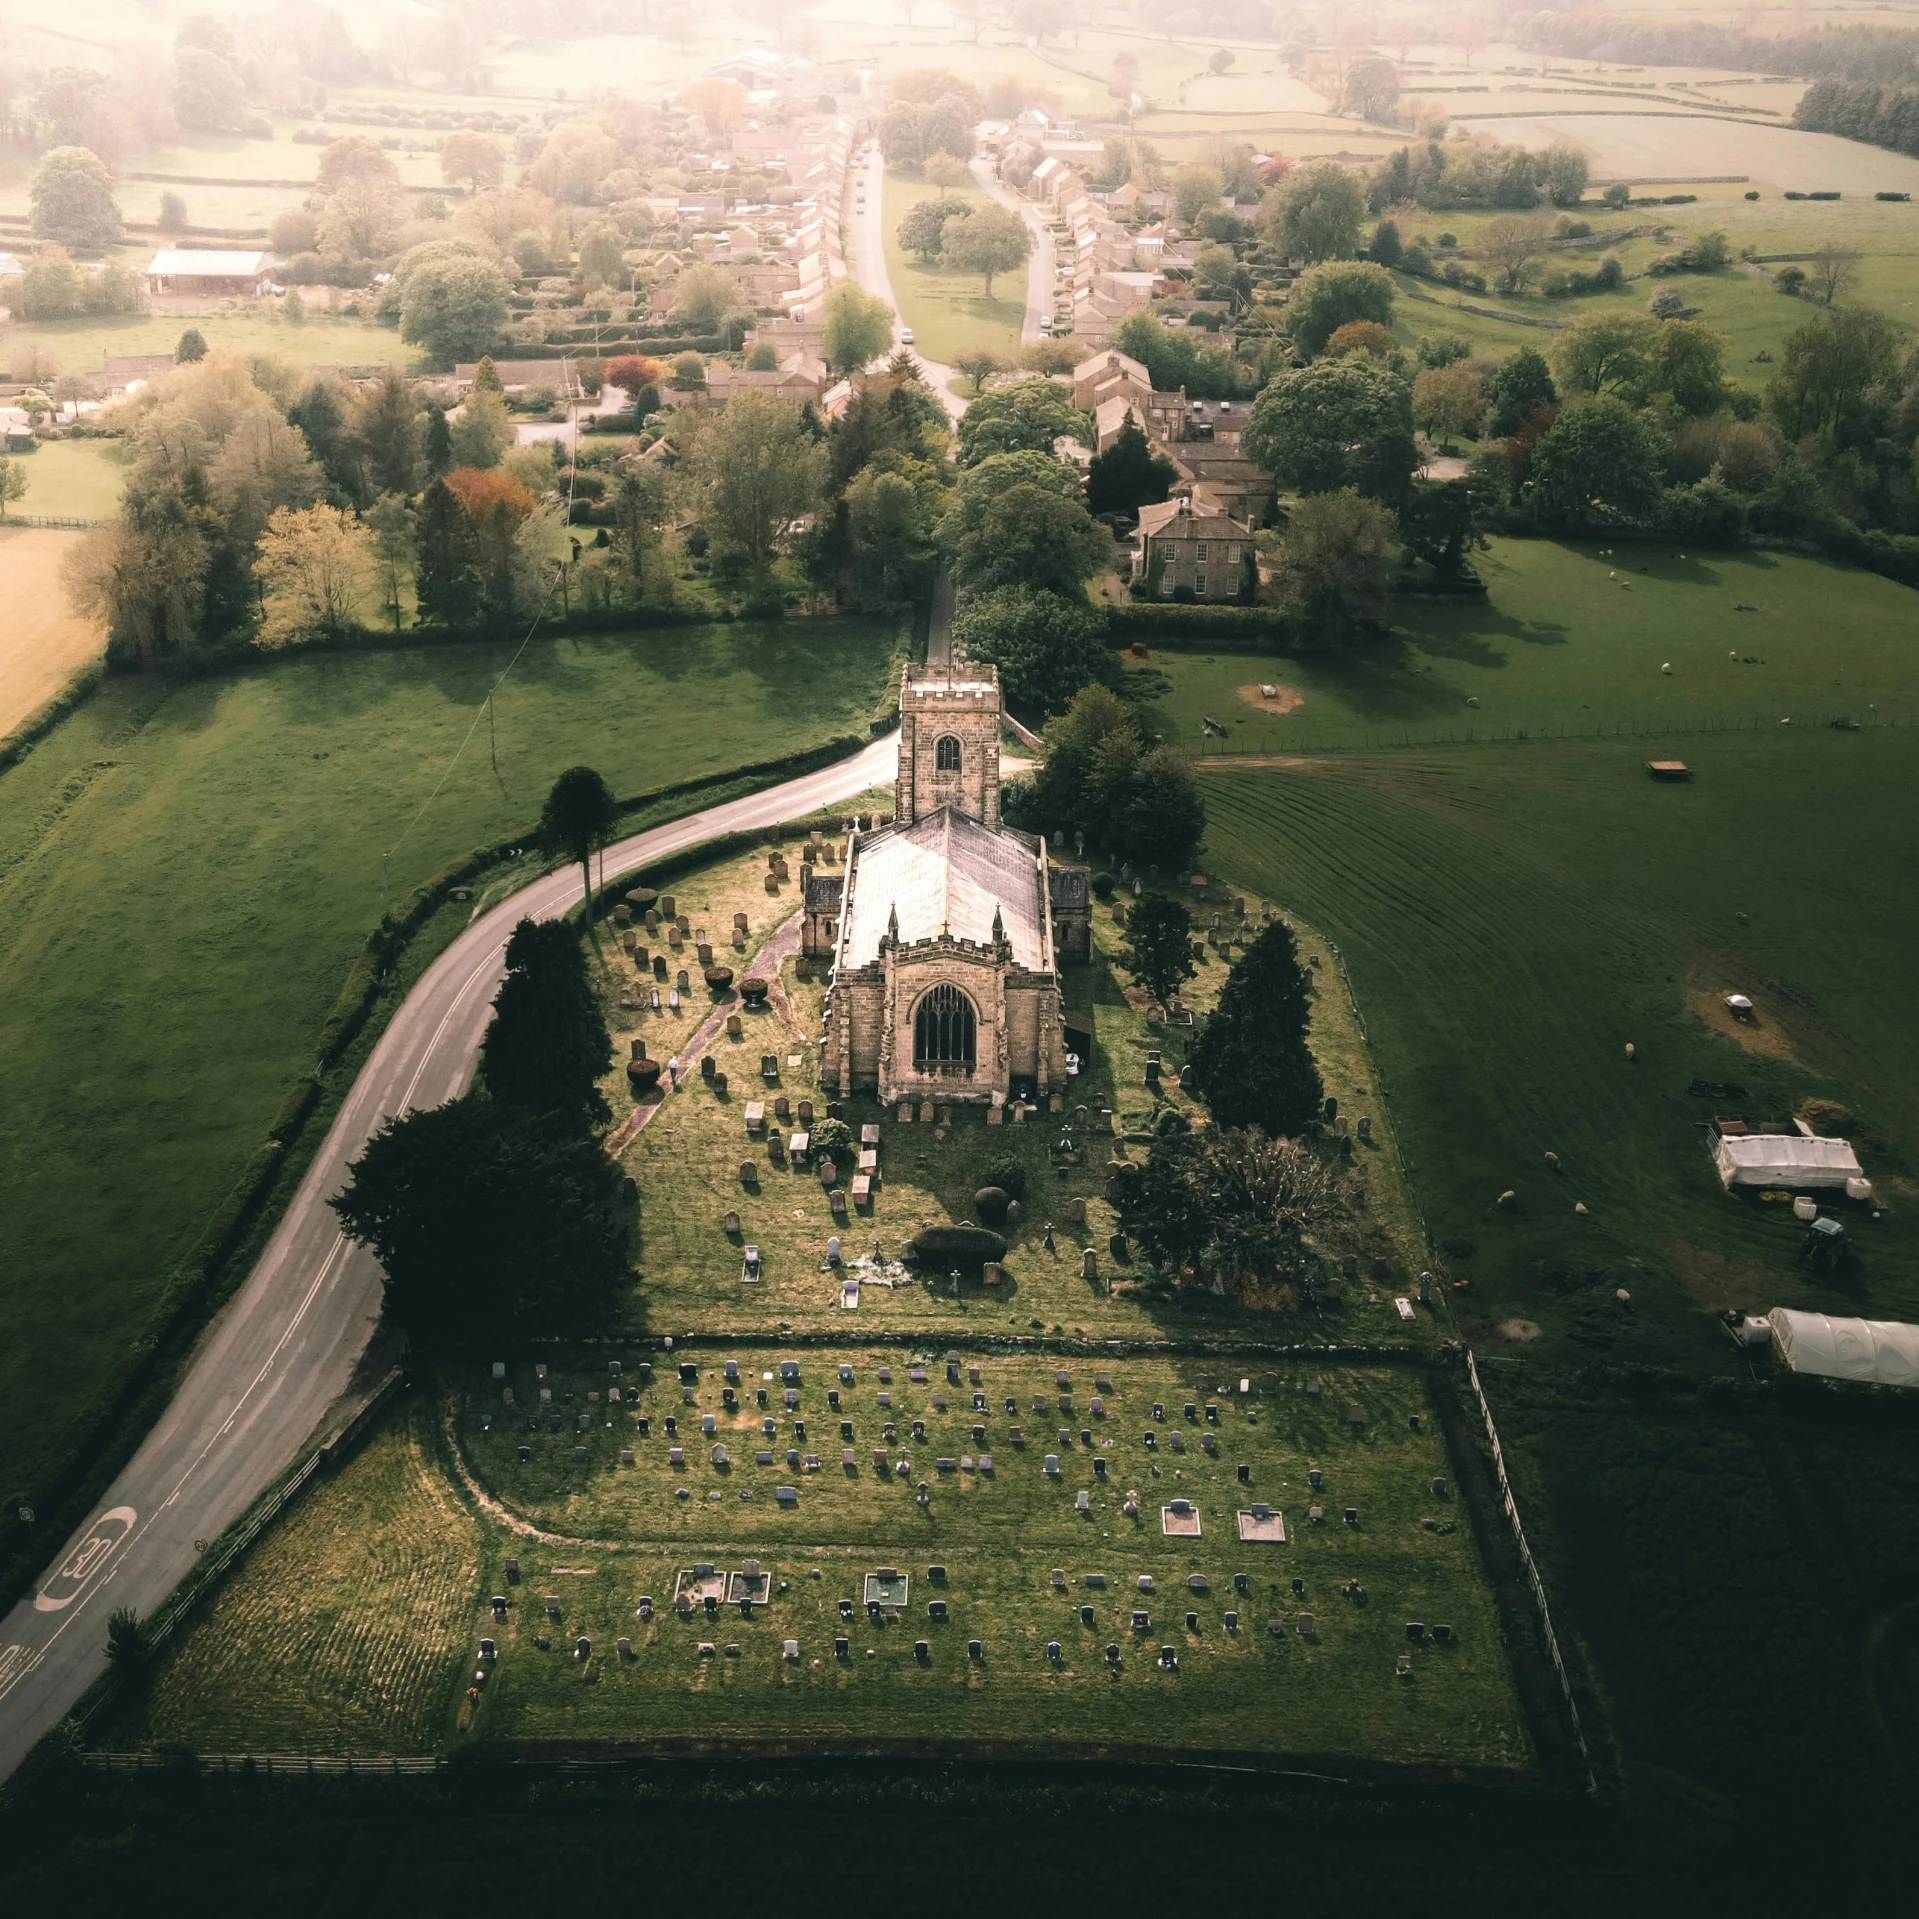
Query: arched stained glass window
x=944 y=1032
x=946 y=755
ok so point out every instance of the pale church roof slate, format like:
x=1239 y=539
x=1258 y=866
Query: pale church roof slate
x=947 y=873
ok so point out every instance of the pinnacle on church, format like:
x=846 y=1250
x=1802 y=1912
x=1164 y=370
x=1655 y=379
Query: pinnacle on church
x=893 y=925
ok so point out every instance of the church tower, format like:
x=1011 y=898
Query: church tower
x=949 y=743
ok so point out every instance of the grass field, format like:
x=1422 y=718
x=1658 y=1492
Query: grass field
x=998 y=1534
x=687 y=1161
x=348 y=1630
x=72 y=479
x=1572 y=639
x=42 y=644
x=948 y=311
x=81 y=346
x=188 y=866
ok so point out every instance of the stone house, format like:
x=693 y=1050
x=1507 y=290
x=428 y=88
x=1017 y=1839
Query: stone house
x=946 y=929
x=1189 y=550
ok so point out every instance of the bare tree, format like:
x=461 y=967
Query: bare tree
x=1834 y=269
x=1515 y=243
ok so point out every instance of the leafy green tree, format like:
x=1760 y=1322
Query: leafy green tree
x=192 y=346
x=1521 y=387
x=13 y=484
x=1332 y=296
x=703 y=296
x=207 y=92
x=355 y=159
x=1601 y=463
x=1337 y=423
x=857 y=328
x=1563 y=174
x=489 y=1221
x=1444 y=520
x=1685 y=362
x=989 y=240
x=1606 y=353
x=1448 y=400
x=756 y=470
x=1173 y=359
x=71 y=195
x=1195 y=189
x=1251 y=1063
x=979 y=364
x=446 y=568
x=639 y=523
x=1386 y=249
x=1045 y=645
x=890 y=549
x=483 y=429
x=395 y=544
x=980 y=485
x=577 y=819
x=1025 y=413
x=547 y=1047
x=1227 y=1208
x=474 y=159
x=923 y=231
x=1129 y=474
x=602 y=256
x=453 y=299
x=1314 y=213
x=1835 y=374
x=1332 y=561
x=1030 y=536
x=1372 y=87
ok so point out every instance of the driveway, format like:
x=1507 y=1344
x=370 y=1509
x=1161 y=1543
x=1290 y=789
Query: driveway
x=284 y=1360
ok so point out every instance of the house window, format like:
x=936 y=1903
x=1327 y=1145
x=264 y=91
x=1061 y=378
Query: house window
x=1232 y=556
x=1199 y=552
x=1199 y=582
x=944 y=1032
x=946 y=758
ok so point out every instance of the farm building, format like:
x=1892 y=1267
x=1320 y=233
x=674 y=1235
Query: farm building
x=206 y=272
x=1786 y=1160
x=1878 y=1352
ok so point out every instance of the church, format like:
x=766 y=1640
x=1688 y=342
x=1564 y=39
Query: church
x=946 y=929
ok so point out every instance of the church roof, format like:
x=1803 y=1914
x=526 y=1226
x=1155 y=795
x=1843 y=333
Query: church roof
x=945 y=874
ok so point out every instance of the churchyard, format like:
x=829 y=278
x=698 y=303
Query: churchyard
x=691 y=1150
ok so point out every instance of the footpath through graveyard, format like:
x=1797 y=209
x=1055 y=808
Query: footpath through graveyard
x=284 y=1360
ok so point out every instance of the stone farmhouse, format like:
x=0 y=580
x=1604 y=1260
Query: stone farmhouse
x=1186 y=550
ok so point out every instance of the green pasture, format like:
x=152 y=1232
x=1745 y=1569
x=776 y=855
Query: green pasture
x=81 y=346
x=687 y=1160
x=1514 y=916
x=1572 y=639
x=998 y=1533
x=948 y=311
x=72 y=479
x=187 y=867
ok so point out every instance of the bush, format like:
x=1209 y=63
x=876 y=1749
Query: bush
x=1103 y=886
x=944 y=1247
x=992 y=1203
x=831 y=1135
x=1009 y=1172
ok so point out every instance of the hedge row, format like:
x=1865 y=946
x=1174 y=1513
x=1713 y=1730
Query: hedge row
x=1230 y=629
x=44 y=718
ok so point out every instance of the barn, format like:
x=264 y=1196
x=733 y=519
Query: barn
x=205 y=272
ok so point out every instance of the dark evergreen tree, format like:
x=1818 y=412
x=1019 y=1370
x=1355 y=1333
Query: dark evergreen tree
x=387 y=425
x=1129 y=474
x=320 y=414
x=488 y=1221
x=1251 y=1064
x=547 y=1046
x=448 y=579
x=1159 y=951
x=192 y=346
x=578 y=815
x=439 y=443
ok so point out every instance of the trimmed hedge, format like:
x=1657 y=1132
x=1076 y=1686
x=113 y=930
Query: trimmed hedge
x=1222 y=629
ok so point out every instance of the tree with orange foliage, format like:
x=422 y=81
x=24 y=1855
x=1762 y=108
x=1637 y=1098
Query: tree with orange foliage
x=632 y=371
x=720 y=103
x=509 y=538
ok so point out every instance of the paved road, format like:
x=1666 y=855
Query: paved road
x=1040 y=268
x=288 y=1351
x=866 y=231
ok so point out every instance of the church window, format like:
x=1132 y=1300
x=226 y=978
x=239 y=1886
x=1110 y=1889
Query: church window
x=946 y=755
x=944 y=1038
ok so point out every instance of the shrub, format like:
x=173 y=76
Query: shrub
x=967 y=1247
x=831 y=1135
x=1103 y=886
x=991 y=1203
x=1009 y=1172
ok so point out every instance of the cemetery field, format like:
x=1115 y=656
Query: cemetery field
x=1572 y=638
x=188 y=867
x=613 y=1535
x=688 y=1159
x=947 y=310
x=347 y=1630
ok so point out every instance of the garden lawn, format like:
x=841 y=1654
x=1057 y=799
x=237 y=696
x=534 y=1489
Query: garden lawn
x=620 y=1532
x=81 y=346
x=1571 y=639
x=187 y=868
x=70 y=480
x=948 y=311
